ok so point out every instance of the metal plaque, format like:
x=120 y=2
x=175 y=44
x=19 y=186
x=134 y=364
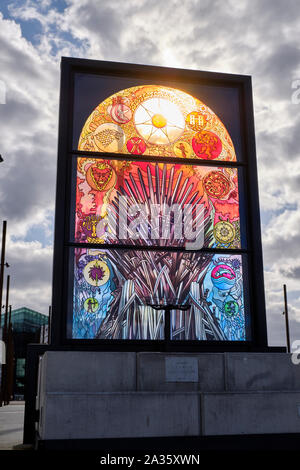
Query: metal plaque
x=181 y=369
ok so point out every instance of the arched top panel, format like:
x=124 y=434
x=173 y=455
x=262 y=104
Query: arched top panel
x=154 y=120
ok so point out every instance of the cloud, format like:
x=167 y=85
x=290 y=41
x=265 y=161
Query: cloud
x=28 y=145
x=293 y=272
x=31 y=271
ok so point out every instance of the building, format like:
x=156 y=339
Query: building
x=26 y=327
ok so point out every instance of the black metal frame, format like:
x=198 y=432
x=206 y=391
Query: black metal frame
x=69 y=67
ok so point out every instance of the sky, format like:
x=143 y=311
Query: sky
x=253 y=37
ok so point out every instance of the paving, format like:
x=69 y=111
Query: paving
x=11 y=425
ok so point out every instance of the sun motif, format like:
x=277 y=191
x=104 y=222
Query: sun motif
x=224 y=232
x=159 y=121
x=96 y=273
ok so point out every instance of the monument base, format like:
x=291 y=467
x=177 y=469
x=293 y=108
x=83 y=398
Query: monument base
x=86 y=396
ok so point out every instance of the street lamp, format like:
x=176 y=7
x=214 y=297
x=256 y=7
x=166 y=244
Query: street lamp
x=2 y=262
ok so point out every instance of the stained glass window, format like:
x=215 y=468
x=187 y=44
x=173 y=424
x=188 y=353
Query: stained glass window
x=157 y=226
x=106 y=185
x=156 y=120
x=135 y=201
x=115 y=290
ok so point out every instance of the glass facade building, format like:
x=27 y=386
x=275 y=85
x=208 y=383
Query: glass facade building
x=26 y=326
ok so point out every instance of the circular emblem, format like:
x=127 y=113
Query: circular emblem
x=109 y=137
x=231 y=308
x=91 y=305
x=119 y=112
x=182 y=149
x=207 y=145
x=216 y=184
x=136 y=145
x=100 y=176
x=96 y=273
x=196 y=121
x=224 y=232
x=223 y=277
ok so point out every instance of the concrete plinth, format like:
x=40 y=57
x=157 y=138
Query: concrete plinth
x=250 y=413
x=261 y=371
x=80 y=372
x=115 y=415
x=151 y=372
x=96 y=395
